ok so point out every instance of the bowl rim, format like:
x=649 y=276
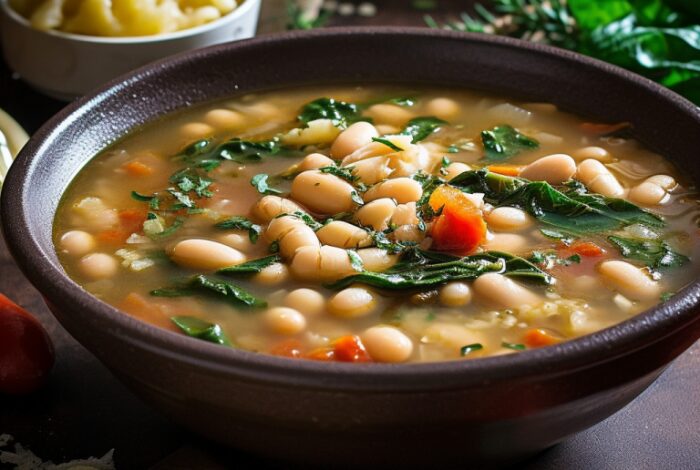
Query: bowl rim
x=639 y=332
x=232 y=16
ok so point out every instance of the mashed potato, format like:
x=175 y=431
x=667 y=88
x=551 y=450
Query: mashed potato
x=121 y=17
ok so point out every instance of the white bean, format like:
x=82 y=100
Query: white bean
x=389 y=114
x=314 y=161
x=387 y=344
x=322 y=192
x=239 y=241
x=408 y=233
x=225 y=119
x=453 y=337
x=444 y=108
x=308 y=301
x=291 y=233
x=285 y=320
x=371 y=170
x=205 y=254
x=377 y=259
x=196 y=130
x=402 y=190
x=270 y=207
x=596 y=153
x=353 y=138
x=455 y=294
x=386 y=129
x=503 y=292
x=276 y=273
x=554 y=169
x=647 y=193
x=98 y=266
x=508 y=242
x=629 y=280
x=508 y=219
x=405 y=214
x=376 y=214
x=665 y=181
x=352 y=302
x=327 y=263
x=455 y=169
x=343 y=235
x=598 y=178
x=76 y=242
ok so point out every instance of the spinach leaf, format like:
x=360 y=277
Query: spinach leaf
x=388 y=143
x=155 y=227
x=201 y=284
x=259 y=182
x=341 y=113
x=188 y=179
x=425 y=269
x=513 y=346
x=238 y=222
x=344 y=172
x=549 y=258
x=465 y=350
x=207 y=156
x=355 y=261
x=251 y=267
x=656 y=254
x=306 y=218
x=201 y=329
x=421 y=127
x=503 y=142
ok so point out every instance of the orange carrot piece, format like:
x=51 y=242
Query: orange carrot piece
x=460 y=228
x=321 y=354
x=586 y=249
x=506 y=170
x=113 y=237
x=132 y=219
x=287 y=348
x=539 y=337
x=350 y=349
x=137 y=169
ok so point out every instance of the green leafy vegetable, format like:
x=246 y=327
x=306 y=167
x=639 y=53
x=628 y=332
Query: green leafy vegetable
x=207 y=156
x=238 y=222
x=388 y=143
x=656 y=254
x=549 y=258
x=202 y=330
x=356 y=198
x=469 y=348
x=259 y=182
x=503 y=142
x=251 y=267
x=355 y=261
x=666 y=296
x=306 y=218
x=514 y=346
x=189 y=179
x=306 y=15
x=344 y=172
x=421 y=127
x=341 y=113
x=155 y=227
x=223 y=290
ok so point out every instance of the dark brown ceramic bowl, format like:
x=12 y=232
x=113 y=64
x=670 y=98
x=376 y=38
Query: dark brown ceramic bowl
x=493 y=410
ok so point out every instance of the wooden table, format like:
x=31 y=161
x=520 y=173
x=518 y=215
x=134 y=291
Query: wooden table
x=85 y=412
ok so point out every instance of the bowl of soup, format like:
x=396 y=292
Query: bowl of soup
x=440 y=247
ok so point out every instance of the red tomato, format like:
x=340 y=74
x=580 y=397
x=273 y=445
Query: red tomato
x=287 y=348
x=539 y=337
x=350 y=349
x=26 y=352
x=460 y=228
x=586 y=249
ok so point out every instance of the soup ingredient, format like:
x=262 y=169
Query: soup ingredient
x=77 y=242
x=629 y=280
x=460 y=226
x=285 y=320
x=387 y=344
x=421 y=127
x=221 y=289
x=598 y=178
x=99 y=266
x=503 y=142
x=554 y=169
x=353 y=138
x=352 y=302
x=241 y=223
x=121 y=17
x=656 y=254
x=26 y=351
x=200 y=329
x=503 y=292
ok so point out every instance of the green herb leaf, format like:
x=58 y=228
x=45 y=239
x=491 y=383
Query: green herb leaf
x=224 y=290
x=201 y=329
x=344 y=172
x=306 y=218
x=514 y=346
x=656 y=254
x=356 y=198
x=341 y=113
x=251 y=267
x=666 y=296
x=469 y=348
x=503 y=142
x=355 y=261
x=259 y=182
x=421 y=127
x=388 y=143
x=189 y=179
x=238 y=222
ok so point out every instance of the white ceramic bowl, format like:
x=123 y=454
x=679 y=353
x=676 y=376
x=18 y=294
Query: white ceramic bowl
x=66 y=66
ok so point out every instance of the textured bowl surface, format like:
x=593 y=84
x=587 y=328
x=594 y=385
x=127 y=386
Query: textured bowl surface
x=491 y=410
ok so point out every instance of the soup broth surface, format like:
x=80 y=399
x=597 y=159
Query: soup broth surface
x=379 y=224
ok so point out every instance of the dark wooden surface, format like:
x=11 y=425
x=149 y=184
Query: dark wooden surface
x=85 y=412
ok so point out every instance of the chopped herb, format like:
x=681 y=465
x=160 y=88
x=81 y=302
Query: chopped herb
x=666 y=296
x=238 y=222
x=356 y=198
x=563 y=237
x=402 y=101
x=251 y=267
x=207 y=285
x=274 y=247
x=549 y=258
x=381 y=241
x=341 y=113
x=341 y=172
x=452 y=149
x=306 y=218
x=355 y=261
x=183 y=200
x=657 y=254
x=514 y=346
x=503 y=142
x=421 y=127
x=469 y=348
x=188 y=180
x=201 y=329
x=259 y=182
x=388 y=143
x=141 y=197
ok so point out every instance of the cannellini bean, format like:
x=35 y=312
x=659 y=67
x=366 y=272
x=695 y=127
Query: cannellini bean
x=453 y=336
x=285 y=320
x=354 y=137
x=665 y=181
x=98 y=266
x=327 y=263
x=371 y=170
x=314 y=161
x=455 y=294
x=386 y=129
x=225 y=119
x=444 y=108
x=322 y=192
x=413 y=158
x=376 y=214
x=291 y=233
x=405 y=214
x=377 y=259
x=352 y=302
x=408 y=233
x=320 y=131
x=343 y=235
x=389 y=114
x=276 y=273
x=196 y=130
x=554 y=169
x=455 y=169
x=598 y=178
x=508 y=242
x=647 y=193
x=239 y=241
x=308 y=301
x=508 y=219
x=387 y=344
x=95 y=214
x=76 y=242
x=402 y=190
x=205 y=254
x=629 y=280
x=596 y=153
x=270 y=207
x=503 y=292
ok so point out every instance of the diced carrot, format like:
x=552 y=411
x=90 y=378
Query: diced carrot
x=321 y=354
x=139 y=307
x=287 y=348
x=113 y=237
x=137 y=169
x=539 y=337
x=602 y=129
x=586 y=249
x=132 y=219
x=350 y=349
x=460 y=228
x=507 y=170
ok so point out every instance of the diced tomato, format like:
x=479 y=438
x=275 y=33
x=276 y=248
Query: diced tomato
x=586 y=249
x=539 y=337
x=460 y=227
x=113 y=237
x=350 y=349
x=137 y=169
x=132 y=220
x=507 y=170
x=26 y=351
x=602 y=129
x=146 y=310
x=321 y=354
x=287 y=348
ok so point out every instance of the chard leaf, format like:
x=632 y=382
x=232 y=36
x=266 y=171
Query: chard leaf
x=657 y=254
x=189 y=179
x=341 y=113
x=421 y=127
x=238 y=222
x=388 y=143
x=223 y=290
x=201 y=329
x=503 y=142
x=251 y=267
x=260 y=183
